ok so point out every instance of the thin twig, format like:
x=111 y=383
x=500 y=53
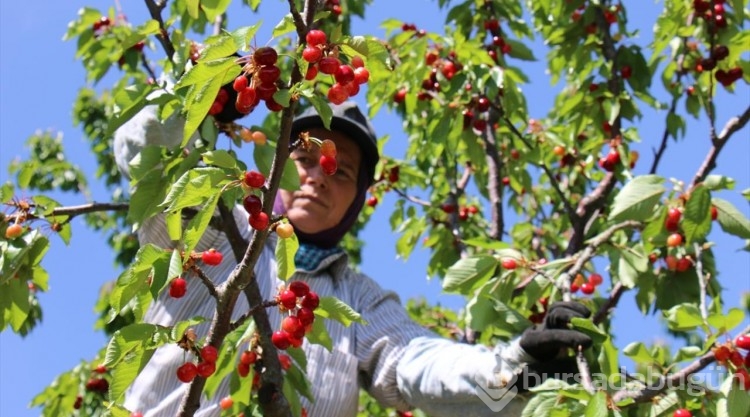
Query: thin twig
x=702 y=282
x=614 y=297
x=584 y=372
x=412 y=199
x=149 y=70
x=494 y=182
x=733 y=125
x=155 y=10
x=243 y=318
x=206 y=281
x=73 y=211
x=674 y=380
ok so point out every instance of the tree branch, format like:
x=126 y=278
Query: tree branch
x=206 y=281
x=647 y=393
x=73 y=211
x=614 y=297
x=494 y=182
x=733 y=125
x=155 y=10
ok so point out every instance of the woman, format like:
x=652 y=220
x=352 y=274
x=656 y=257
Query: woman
x=398 y=362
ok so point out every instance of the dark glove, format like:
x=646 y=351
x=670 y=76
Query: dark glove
x=544 y=342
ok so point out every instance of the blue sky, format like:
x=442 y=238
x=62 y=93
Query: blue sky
x=38 y=82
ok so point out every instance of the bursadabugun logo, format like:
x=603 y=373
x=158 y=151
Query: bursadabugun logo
x=497 y=398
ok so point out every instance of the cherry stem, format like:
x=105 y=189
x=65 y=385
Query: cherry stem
x=206 y=281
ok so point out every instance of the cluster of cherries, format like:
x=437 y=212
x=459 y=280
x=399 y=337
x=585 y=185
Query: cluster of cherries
x=334 y=6
x=714 y=13
x=257 y=219
x=481 y=105
x=300 y=302
x=675 y=239
x=586 y=285
x=178 y=286
x=323 y=58
x=394 y=173
x=205 y=367
x=611 y=160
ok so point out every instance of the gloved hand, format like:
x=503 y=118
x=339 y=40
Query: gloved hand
x=544 y=342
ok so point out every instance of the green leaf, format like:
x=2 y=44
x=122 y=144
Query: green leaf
x=264 y=156
x=637 y=199
x=14 y=301
x=731 y=220
x=222 y=46
x=323 y=109
x=197 y=102
x=125 y=372
x=128 y=101
x=469 y=273
x=285 y=251
x=597 y=406
x=688 y=353
x=244 y=35
x=194 y=188
x=290 y=393
x=724 y=323
x=696 y=218
x=588 y=327
x=608 y=363
x=204 y=71
x=193 y=8
x=214 y=8
x=335 y=309
x=284 y=26
x=319 y=335
x=719 y=182
x=683 y=317
x=198 y=224
x=638 y=352
x=220 y=158
x=735 y=401
x=126 y=340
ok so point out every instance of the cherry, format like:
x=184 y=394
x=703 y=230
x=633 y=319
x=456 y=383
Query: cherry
x=243 y=369
x=209 y=353
x=212 y=257
x=329 y=65
x=671 y=262
x=226 y=403
x=682 y=413
x=372 y=201
x=291 y=325
x=400 y=96
x=337 y=94
x=714 y=213
x=328 y=165
x=675 y=239
x=514 y=154
x=248 y=357
x=674 y=215
x=344 y=74
x=595 y=279
x=483 y=104
x=312 y=72
x=720 y=52
x=254 y=179
x=311 y=301
x=312 y=54
x=299 y=288
x=178 y=287
x=430 y=58
x=448 y=208
x=187 y=372
x=100 y=369
x=77 y=404
x=735 y=357
x=216 y=108
x=13 y=231
x=328 y=148
x=268 y=74
x=265 y=56
x=316 y=37
x=357 y=62
x=613 y=157
x=280 y=339
x=266 y=91
x=588 y=288
x=722 y=354
x=305 y=315
x=288 y=299
x=743 y=378
x=361 y=75
x=491 y=25
x=683 y=264
x=509 y=263
x=246 y=97
x=743 y=342
x=272 y=105
x=258 y=221
x=206 y=369
x=352 y=88
x=558 y=150
x=394 y=174
x=285 y=230
x=240 y=83
x=252 y=204
x=626 y=72
x=286 y=361
x=449 y=69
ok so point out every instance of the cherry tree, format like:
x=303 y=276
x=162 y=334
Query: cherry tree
x=517 y=212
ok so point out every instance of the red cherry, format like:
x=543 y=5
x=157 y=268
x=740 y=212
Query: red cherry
x=337 y=94
x=291 y=324
x=671 y=262
x=248 y=357
x=595 y=279
x=671 y=226
x=400 y=96
x=714 y=213
x=187 y=372
x=357 y=62
x=316 y=37
x=743 y=342
x=344 y=74
x=361 y=75
x=743 y=377
x=209 y=353
x=311 y=300
x=280 y=339
x=258 y=221
x=216 y=108
x=588 y=288
x=352 y=88
x=735 y=357
x=675 y=239
x=206 y=369
x=448 y=208
x=299 y=288
x=722 y=354
x=266 y=91
x=254 y=179
x=288 y=299
x=240 y=83
x=268 y=74
x=674 y=215
x=483 y=104
x=328 y=165
x=285 y=361
x=509 y=263
x=13 y=231
x=136 y=414
x=312 y=54
x=178 y=287
x=100 y=369
x=226 y=403
x=328 y=148
x=211 y=257
x=312 y=72
x=252 y=204
x=682 y=413
x=243 y=369
x=305 y=315
x=329 y=65
x=683 y=264
x=265 y=56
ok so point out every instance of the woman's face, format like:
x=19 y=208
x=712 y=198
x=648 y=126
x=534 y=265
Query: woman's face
x=322 y=200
